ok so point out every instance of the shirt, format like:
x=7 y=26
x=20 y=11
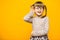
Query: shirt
x=39 y=25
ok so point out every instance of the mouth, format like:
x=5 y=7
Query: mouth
x=39 y=11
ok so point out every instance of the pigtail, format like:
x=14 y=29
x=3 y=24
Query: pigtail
x=45 y=11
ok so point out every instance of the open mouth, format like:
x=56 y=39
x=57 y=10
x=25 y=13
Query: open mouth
x=39 y=12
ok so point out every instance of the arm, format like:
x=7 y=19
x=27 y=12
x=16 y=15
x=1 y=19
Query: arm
x=28 y=17
x=46 y=24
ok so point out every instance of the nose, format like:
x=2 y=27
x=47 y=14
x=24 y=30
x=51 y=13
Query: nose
x=39 y=8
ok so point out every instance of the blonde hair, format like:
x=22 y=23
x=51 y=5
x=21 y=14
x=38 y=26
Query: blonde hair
x=40 y=4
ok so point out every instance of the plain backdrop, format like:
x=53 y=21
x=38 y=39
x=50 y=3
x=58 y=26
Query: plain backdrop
x=12 y=25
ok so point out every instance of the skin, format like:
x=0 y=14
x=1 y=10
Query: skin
x=38 y=10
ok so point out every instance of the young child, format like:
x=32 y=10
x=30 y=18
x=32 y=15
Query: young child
x=39 y=22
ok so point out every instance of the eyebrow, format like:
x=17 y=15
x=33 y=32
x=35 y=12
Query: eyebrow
x=38 y=7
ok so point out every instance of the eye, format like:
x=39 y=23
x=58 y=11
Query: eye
x=37 y=7
x=41 y=7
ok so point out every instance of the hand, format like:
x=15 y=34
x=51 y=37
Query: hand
x=32 y=9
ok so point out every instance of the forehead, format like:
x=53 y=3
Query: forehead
x=38 y=7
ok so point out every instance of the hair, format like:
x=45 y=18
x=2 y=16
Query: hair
x=40 y=4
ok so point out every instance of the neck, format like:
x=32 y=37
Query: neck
x=38 y=15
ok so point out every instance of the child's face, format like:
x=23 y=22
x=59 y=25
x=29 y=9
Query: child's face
x=38 y=10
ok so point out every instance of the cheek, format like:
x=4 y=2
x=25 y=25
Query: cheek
x=42 y=11
x=36 y=10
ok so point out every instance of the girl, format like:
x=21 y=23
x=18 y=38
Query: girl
x=39 y=21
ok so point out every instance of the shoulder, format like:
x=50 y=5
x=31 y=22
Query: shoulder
x=46 y=18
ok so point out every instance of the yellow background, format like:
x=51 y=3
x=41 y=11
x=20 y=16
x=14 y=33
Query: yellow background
x=12 y=25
